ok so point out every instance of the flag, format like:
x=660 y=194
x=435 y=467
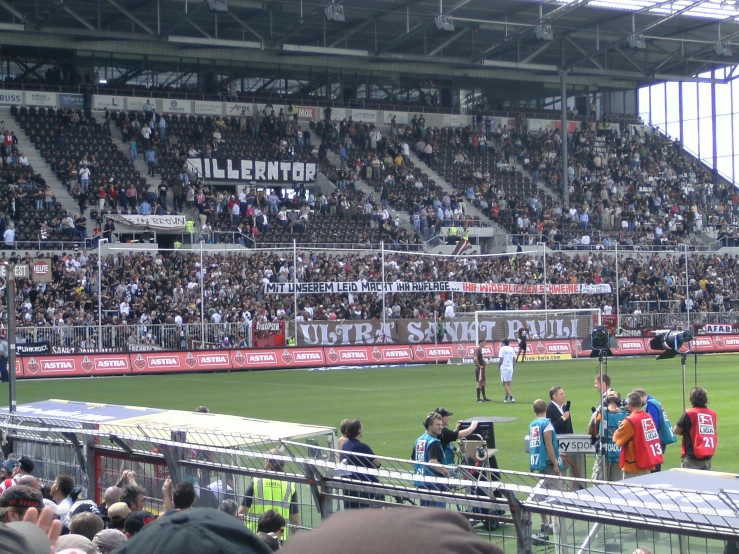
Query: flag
x=461 y=247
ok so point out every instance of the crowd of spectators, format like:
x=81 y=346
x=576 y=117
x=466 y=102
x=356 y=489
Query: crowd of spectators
x=38 y=517
x=142 y=293
x=384 y=162
x=631 y=186
x=29 y=207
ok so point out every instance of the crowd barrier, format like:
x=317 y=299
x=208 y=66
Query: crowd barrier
x=40 y=366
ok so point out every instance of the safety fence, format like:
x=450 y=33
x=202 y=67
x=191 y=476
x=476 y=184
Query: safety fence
x=589 y=516
x=147 y=337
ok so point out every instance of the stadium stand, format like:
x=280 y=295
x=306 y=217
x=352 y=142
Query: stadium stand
x=137 y=289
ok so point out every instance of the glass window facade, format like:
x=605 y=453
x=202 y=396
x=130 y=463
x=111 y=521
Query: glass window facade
x=703 y=106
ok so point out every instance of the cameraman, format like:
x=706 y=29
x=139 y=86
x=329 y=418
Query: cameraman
x=559 y=412
x=448 y=436
x=614 y=415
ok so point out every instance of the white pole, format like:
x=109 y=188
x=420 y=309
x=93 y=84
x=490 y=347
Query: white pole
x=687 y=287
x=202 y=298
x=100 y=292
x=384 y=314
x=436 y=337
x=544 y=246
x=295 y=284
x=618 y=300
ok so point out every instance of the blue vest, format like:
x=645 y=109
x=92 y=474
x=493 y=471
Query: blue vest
x=612 y=422
x=664 y=427
x=423 y=443
x=448 y=454
x=537 y=447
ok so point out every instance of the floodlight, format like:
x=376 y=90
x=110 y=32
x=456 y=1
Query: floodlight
x=335 y=13
x=218 y=5
x=637 y=42
x=544 y=32
x=599 y=342
x=722 y=49
x=670 y=342
x=444 y=23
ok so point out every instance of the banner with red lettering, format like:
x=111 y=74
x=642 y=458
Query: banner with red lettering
x=331 y=287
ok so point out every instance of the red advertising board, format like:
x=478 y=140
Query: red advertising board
x=629 y=346
x=307 y=113
x=431 y=353
x=31 y=367
x=70 y=365
x=548 y=347
x=368 y=355
x=571 y=126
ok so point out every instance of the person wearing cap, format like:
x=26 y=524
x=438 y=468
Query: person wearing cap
x=23 y=466
x=76 y=543
x=373 y=531
x=356 y=453
x=136 y=521
x=428 y=449
x=264 y=494
x=6 y=474
x=15 y=501
x=448 y=436
x=108 y=540
x=23 y=537
x=117 y=514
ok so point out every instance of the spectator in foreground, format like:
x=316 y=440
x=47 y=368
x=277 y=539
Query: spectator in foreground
x=76 y=544
x=136 y=521
x=195 y=531
x=372 y=531
x=230 y=507
x=108 y=540
x=15 y=501
x=86 y=524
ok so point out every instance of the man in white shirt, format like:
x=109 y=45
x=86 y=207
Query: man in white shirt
x=506 y=363
x=9 y=237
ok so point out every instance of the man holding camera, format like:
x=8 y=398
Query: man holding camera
x=448 y=436
x=612 y=417
x=428 y=449
x=559 y=412
x=638 y=438
x=698 y=428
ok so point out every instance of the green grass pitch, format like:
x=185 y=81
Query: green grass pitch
x=392 y=402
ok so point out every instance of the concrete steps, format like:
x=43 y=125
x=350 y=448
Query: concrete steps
x=41 y=167
x=140 y=165
x=470 y=209
x=368 y=190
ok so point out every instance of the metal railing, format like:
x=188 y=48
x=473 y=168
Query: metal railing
x=135 y=337
x=145 y=337
x=220 y=464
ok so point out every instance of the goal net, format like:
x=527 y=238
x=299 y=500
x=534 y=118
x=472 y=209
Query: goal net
x=540 y=325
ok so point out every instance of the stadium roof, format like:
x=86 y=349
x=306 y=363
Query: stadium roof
x=491 y=39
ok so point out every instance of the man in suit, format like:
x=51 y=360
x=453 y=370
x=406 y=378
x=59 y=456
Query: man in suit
x=559 y=412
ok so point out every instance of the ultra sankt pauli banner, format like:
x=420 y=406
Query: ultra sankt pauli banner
x=437 y=286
